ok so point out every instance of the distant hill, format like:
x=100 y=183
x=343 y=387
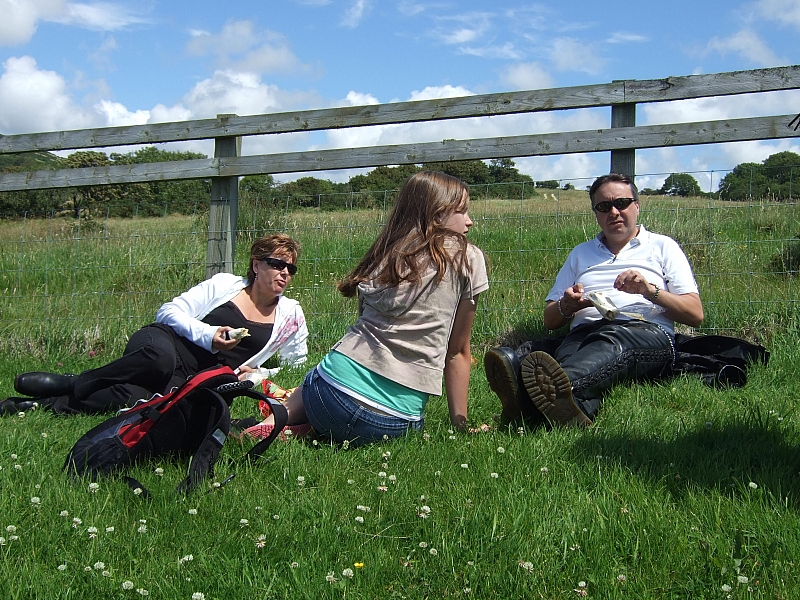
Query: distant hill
x=27 y=161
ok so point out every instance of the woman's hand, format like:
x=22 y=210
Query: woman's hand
x=219 y=342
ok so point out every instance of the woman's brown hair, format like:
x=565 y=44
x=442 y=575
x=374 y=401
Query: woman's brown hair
x=413 y=236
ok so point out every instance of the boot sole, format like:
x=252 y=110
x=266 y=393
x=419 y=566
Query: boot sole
x=550 y=390
x=503 y=382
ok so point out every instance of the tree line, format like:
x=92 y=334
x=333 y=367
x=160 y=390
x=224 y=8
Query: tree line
x=773 y=179
x=776 y=178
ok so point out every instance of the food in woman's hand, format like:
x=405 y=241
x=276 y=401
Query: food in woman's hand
x=237 y=334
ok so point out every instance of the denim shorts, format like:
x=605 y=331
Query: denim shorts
x=335 y=415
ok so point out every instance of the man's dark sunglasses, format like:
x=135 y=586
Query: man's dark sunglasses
x=280 y=265
x=618 y=203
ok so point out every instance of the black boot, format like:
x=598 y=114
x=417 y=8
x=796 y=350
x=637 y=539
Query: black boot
x=39 y=384
x=13 y=405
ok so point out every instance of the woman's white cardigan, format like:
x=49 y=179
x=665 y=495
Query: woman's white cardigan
x=183 y=314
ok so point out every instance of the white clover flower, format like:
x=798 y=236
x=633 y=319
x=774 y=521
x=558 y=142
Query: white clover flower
x=294 y=565
x=382 y=474
x=346 y=443
x=142 y=520
x=301 y=481
x=621 y=578
x=11 y=529
x=330 y=578
x=581 y=584
x=216 y=485
x=99 y=566
x=44 y=434
x=359 y=519
x=138 y=492
x=76 y=521
x=384 y=465
x=351 y=481
x=127 y=585
x=110 y=529
x=742 y=579
x=261 y=541
x=426 y=436
x=726 y=587
x=63 y=513
x=93 y=487
x=753 y=485
x=159 y=471
x=276 y=517
x=501 y=450
x=244 y=522
x=87 y=569
x=13 y=538
x=36 y=501
x=348 y=573
x=467 y=590
x=14 y=457
x=192 y=511
x=363 y=508
x=386 y=455
x=423 y=544
x=21 y=415
x=186 y=559
x=464 y=466
x=437 y=473
x=544 y=470
x=494 y=475
x=198 y=596
x=2 y=541
x=142 y=529
x=392 y=478
x=451 y=437
x=18 y=467
x=91 y=530
x=526 y=566
x=433 y=551
x=142 y=592
x=62 y=567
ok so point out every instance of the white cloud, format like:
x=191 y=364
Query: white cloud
x=117 y=115
x=749 y=46
x=20 y=18
x=240 y=47
x=570 y=54
x=442 y=91
x=722 y=107
x=33 y=100
x=461 y=36
x=786 y=12
x=623 y=37
x=506 y=51
x=359 y=99
x=353 y=15
x=102 y=16
x=526 y=76
x=468 y=28
x=410 y=8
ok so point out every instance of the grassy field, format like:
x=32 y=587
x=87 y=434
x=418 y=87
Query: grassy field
x=677 y=491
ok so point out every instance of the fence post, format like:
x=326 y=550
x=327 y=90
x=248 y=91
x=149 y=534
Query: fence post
x=623 y=161
x=223 y=211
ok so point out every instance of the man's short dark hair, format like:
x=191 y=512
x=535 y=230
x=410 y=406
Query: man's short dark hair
x=612 y=178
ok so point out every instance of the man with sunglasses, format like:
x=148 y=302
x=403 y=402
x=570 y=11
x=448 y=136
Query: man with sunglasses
x=646 y=275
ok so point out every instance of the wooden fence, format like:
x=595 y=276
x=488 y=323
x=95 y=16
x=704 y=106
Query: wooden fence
x=622 y=139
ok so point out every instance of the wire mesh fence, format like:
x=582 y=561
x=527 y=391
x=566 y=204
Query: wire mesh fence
x=77 y=284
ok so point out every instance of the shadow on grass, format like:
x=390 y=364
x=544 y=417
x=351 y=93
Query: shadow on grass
x=724 y=457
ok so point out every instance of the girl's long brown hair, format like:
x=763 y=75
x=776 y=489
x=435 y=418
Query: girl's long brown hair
x=413 y=236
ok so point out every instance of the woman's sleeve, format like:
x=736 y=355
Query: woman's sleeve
x=181 y=313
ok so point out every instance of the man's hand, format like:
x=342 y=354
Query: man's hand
x=633 y=282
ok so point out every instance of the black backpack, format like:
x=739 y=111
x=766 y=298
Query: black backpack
x=192 y=420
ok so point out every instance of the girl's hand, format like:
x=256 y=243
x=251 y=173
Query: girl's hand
x=219 y=342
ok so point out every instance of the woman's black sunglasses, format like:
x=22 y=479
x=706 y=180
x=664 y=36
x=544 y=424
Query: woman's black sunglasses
x=618 y=203
x=280 y=265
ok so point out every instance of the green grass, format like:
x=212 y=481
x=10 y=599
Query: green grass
x=657 y=491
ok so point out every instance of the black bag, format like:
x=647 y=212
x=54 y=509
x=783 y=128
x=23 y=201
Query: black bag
x=192 y=420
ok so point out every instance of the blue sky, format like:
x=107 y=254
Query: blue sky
x=67 y=65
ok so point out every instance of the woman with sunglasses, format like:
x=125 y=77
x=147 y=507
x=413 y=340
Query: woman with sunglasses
x=417 y=289
x=191 y=333
x=645 y=274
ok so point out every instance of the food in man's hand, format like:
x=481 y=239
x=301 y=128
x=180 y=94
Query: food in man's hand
x=603 y=304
